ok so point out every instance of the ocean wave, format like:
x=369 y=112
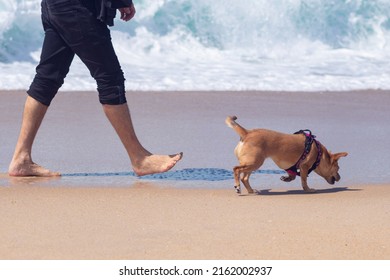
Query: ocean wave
x=223 y=45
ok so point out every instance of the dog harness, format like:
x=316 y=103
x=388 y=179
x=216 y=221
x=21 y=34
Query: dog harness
x=294 y=170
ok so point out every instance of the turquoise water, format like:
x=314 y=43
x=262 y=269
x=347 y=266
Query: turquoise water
x=187 y=174
x=215 y=178
x=223 y=45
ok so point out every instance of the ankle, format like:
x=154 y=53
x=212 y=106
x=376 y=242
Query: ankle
x=22 y=157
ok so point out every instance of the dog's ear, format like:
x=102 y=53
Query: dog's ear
x=337 y=156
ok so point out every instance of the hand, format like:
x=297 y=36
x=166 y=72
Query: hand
x=127 y=13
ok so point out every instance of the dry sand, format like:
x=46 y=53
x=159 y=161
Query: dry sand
x=145 y=221
x=110 y=218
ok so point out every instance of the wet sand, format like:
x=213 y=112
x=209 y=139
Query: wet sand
x=100 y=215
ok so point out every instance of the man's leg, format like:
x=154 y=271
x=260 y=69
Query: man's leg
x=143 y=162
x=56 y=58
x=22 y=163
x=90 y=39
x=95 y=49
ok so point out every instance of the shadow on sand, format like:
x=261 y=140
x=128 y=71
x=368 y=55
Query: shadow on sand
x=269 y=192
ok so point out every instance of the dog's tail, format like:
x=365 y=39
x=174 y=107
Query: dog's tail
x=230 y=121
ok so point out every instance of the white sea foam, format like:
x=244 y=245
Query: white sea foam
x=311 y=45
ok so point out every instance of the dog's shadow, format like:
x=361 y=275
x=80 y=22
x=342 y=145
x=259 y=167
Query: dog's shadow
x=270 y=192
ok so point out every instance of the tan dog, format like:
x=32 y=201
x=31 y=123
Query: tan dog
x=298 y=154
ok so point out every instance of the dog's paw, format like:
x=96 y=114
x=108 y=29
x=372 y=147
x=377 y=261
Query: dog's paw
x=238 y=189
x=287 y=178
x=253 y=192
x=310 y=190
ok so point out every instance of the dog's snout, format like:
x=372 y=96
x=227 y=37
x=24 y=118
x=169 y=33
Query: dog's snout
x=332 y=180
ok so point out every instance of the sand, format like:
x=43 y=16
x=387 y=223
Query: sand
x=105 y=216
x=146 y=221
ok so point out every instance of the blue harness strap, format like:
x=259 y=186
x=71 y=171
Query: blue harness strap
x=294 y=170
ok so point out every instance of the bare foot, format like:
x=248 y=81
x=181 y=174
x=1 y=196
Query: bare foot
x=30 y=169
x=152 y=164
